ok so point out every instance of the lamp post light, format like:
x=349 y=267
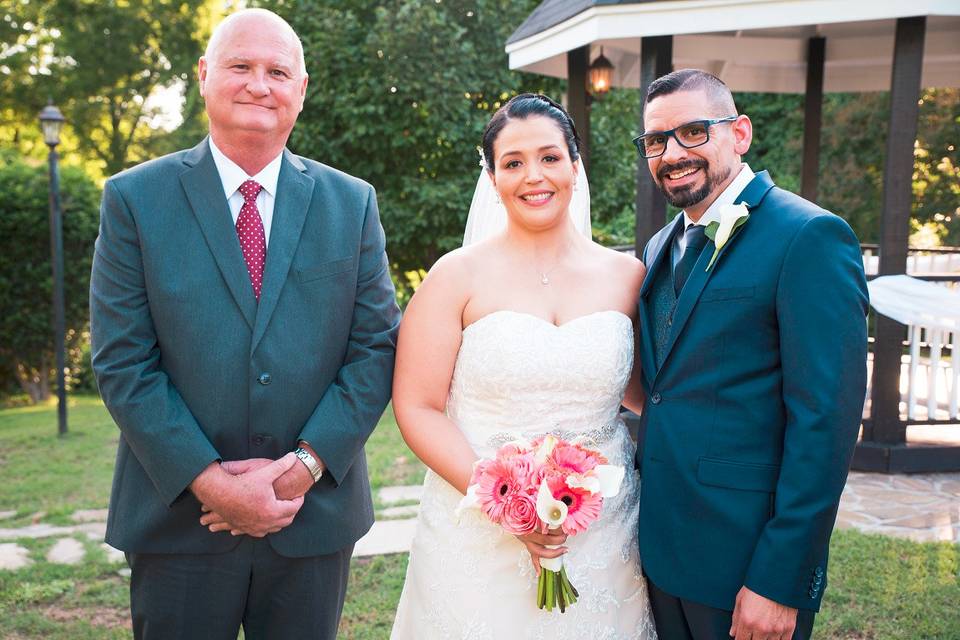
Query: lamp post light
x=51 y=120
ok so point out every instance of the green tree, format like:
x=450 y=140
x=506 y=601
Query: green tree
x=26 y=280
x=99 y=61
x=614 y=121
x=384 y=106
x=936 y=178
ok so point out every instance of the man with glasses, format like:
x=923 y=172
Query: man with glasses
x=753 y=344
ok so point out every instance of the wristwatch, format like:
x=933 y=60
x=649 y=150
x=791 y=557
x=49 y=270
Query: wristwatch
x=312 y=465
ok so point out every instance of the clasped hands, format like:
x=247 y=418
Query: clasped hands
x=252 y=497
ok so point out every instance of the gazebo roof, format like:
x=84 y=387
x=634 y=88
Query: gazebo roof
x=753 y=45
x=552 y=12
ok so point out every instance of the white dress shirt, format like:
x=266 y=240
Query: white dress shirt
x=712 y=214
x=232 y=176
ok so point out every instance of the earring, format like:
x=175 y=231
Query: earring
x=576 y=186
x=498 y=198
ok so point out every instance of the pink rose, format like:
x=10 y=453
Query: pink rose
x=520 y=514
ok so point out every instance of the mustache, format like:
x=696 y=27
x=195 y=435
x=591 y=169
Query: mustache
x=680 y=166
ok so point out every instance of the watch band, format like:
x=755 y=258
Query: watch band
x=311 y=463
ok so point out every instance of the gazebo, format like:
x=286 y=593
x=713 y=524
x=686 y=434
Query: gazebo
x=784 y=46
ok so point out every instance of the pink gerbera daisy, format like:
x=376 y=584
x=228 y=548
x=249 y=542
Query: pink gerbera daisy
x=571 y=458
x=583 y=507
x=499 y=479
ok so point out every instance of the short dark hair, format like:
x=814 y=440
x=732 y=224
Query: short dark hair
x=717 y=91
x=521 y=107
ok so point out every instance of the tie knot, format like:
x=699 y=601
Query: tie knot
x=250 y=189
x=696 y=236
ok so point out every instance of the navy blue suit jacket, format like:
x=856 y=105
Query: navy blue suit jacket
x=751 y=420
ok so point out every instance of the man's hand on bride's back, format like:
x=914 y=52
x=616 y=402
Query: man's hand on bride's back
x=537 y=544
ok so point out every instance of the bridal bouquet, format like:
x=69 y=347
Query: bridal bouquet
x=546 y=484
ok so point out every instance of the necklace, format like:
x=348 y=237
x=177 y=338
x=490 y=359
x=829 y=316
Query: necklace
x=545 y=275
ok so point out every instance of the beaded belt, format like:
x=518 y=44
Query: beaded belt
x=590 y=438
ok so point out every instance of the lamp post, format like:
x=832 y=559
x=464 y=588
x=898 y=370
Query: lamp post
x=51 y=120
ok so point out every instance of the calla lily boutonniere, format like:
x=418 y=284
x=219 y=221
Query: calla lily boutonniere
x=732 y=216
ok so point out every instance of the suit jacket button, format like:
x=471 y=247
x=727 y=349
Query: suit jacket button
x=818 y=571
x=655 y=398
x=264 y=379
x=258 y=440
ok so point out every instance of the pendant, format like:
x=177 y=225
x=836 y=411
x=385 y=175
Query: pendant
x=543 y=279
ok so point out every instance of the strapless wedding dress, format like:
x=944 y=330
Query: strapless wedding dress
x=519 y=376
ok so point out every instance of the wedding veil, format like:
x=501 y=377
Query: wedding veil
x=488 y=216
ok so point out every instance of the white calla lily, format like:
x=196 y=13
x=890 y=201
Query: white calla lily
x=732 y=216
x=552 y=511
x=588 y=481
x=545 y=449
x=610 y=477
x=729 y=216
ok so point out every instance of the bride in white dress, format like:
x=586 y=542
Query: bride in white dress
x=525 y=332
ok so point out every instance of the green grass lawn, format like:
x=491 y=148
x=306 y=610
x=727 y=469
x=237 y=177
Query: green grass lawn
x=880 y=588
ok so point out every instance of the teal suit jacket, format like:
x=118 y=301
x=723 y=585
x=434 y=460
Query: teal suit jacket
x=751 y=420
x=194 y=370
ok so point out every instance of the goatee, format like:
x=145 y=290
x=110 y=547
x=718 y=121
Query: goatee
x=687 y=196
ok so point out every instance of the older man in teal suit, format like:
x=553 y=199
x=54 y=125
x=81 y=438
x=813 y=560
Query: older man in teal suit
x=753 y=346
x=243 y=326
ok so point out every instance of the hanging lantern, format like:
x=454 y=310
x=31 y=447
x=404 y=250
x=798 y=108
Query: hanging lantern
x=601 y=75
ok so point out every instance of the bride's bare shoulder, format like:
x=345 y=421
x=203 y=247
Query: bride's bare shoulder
x=621 y=264
x=452 y=276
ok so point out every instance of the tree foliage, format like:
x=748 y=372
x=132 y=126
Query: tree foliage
x=26 y=277
x=384 y=106
x=99 y=61
x=852 y=157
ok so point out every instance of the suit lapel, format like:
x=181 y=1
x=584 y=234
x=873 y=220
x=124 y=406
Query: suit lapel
x=204 y=190
x=661 y=260
x=752 y=195
x=294 y=192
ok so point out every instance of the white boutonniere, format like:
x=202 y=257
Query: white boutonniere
x=732 y=216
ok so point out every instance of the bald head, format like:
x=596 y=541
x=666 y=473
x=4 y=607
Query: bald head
x=255 y=18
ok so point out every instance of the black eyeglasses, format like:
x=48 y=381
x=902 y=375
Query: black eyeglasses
x=689 y=135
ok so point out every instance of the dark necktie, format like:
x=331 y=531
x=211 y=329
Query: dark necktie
x=696 y=239
x=250 y=232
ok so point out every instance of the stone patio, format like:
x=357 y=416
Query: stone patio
x=921 y=507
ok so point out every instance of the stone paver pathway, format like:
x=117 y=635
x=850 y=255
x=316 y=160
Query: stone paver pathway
x=924 y=507
x=66 y=551
x=921 y=507
x=13 y=556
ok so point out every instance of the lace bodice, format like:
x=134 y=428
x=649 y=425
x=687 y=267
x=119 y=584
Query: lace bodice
x=517 y=375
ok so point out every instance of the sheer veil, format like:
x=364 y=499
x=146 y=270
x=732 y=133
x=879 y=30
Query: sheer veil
x=488 y=216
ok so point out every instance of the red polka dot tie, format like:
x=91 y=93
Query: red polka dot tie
x=250 y=231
